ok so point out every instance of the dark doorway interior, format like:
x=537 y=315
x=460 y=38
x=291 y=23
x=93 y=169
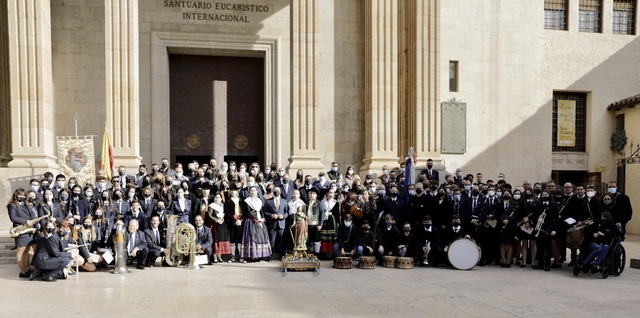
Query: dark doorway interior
x=575 y=177
x=192 y=112
x=184 y=160
x=240 y=159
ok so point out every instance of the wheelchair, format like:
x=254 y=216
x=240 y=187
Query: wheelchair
x=613 y=264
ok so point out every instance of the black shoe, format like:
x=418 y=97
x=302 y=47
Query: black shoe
x=149 y=265
x=547 y=268
x=556 y=266
x=141 y=267
x=48 y=278
x=535 y=267
x=482 y=262
x=210 y=263
x=129 y=263
x=23 y=275
x=571 y=263
x=35 y=274
x=508 y=266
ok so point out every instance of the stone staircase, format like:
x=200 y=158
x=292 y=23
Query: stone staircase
x=7 y=256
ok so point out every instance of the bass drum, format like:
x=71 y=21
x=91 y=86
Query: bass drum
x=463 y=253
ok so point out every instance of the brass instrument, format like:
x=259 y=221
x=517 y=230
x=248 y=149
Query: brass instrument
x=542 y=216
x=23 y=229
x=185 y=244
x=522 y=222
x=173 y=259
x=121 y=251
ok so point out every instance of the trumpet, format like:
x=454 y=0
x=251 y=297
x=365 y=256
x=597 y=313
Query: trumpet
x=542 y=216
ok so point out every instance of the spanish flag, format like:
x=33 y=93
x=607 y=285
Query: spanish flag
x=106 y=161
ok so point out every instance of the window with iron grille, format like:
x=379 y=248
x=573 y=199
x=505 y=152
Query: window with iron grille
x=453 y=76
x=590 y=15
x=580 y=121
x=555 y=14
x=624 y=21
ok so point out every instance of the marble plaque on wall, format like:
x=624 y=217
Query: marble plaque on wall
x=454 y=127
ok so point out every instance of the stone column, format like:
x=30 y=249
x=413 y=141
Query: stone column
x=304 y=87
x=123 y=80
x=423 y=96
x=5 y=101
x=381 y=85
x=30 y=77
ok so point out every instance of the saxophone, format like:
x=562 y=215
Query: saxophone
x=23 y=229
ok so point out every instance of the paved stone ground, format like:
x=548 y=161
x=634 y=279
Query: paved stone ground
x=260 y=290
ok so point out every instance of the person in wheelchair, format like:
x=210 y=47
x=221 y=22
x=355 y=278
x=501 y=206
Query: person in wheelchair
x=597 y=237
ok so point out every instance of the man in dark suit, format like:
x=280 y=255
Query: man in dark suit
x=621 y=200
x=276 y=211
x=136 y=245
x=322 y=185
x=286 y=188
x=431 y=173
x=395 y=206
x=308 y=184
x=155 y=241
x=136 y=214
x=472 y=214
x=454 y=232
x=148 y=203
x=204 y=239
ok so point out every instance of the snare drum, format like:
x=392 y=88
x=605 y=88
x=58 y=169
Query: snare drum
x=405 y=262
x=343 y=262
x=389 y=261
x=463 y=253
x=367 y=262
x=574 y=237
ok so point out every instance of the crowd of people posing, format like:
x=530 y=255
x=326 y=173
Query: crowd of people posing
x=245 y=214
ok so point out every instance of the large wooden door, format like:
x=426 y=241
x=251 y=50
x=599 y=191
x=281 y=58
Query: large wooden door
x=191 y=105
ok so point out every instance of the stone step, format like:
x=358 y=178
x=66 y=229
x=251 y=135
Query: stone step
x=635 y=263
x=6 y=240
x=8 y=260
x=7 y=246
x=7 y=253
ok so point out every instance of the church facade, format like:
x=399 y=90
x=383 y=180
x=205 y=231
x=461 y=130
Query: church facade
x=519 y=87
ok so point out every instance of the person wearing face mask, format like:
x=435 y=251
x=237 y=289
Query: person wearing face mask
x=427 y=241
x=255 y=235
x=417 y=204
x=623 y=202
x=136 y=213
x=251 y=182
x=350 y=176
x=431 y=173
x=608 y=204
x=156 y=241
x=55 y=261
x=526 y=227
x=472 y=212
x=48 y=206
x=276 y=212
x=322 y=184
x=40 y=258
x=235 y=220
x=509 y=209
x=181 y=206
x=148 y=202
x=330 y=219
x=453 y=232
x=165 y=169
x=366 y=240
x=120 y=205
x=314 y=211
x=395 y=206
x=546 y=225
x=591 y=206
x=333 y=174
x=388 y=238
x=221 y=240
x=87 y=236
x=103 y=226
x=347 y=239
x=20 y=214
x=598 y=236
x=87 y=203
x=299 y=181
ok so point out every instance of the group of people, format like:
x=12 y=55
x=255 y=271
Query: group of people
x=246 y=213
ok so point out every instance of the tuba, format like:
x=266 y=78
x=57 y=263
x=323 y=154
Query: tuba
x=23 y=229
x=173 y=259
x=185 y=244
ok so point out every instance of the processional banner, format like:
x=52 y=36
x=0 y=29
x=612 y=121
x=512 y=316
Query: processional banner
x=76 y=158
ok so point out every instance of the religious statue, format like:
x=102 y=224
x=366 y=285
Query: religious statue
x=301 y=229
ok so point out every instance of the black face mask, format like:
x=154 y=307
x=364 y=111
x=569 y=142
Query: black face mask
x=475 y=192
x=537 y=191
x=87 y=226
x=21 y=199
x=393 y=194
x=418 y=191
x=429 y=166
x=31 y=200
x=506 y=198
x=147 y=195
x=51 y=229
x=528 y=195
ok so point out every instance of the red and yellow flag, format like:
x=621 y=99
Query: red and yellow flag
x=106 y=162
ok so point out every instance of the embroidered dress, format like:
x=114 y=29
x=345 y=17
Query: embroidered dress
x=255 y=237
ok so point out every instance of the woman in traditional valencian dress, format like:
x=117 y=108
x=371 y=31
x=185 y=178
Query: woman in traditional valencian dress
x=255 y=237
x=330 y=219
x=221 y=242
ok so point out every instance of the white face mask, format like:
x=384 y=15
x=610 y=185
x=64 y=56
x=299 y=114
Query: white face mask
x=281 y=173
x=612 y=190
x=60 y=184
x=347 y=223
x=339 y=184
x=516 y=197
x=591 y=194
x=250 y=183
x=491 y=193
